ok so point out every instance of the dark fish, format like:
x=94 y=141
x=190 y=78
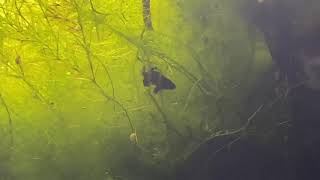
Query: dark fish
x=154 y=77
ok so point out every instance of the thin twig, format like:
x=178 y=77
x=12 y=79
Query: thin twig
x=86 y=47
x=10 y=121
x=229 y=133
x=164 y=116
x=223 y=147
x=146 y=10
x=85 y=44
x=116 y=102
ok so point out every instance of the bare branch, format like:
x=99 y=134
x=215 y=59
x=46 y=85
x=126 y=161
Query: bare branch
x=146 y=9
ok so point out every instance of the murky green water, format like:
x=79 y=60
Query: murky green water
x=73 y=100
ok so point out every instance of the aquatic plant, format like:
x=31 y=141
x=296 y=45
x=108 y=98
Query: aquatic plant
x=73 y=102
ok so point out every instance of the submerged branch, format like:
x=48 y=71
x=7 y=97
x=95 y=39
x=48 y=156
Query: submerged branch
x=146 y=10
x=180 y=68
x=89 y=54
x=166 y=58
x=110 y=79
x=116 y=102
x=194 y=56
x=238 y=133
x=164 y=116
x=105 y=68
x=85 y=44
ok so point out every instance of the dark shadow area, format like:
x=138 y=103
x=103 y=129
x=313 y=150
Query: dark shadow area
x=292 y=152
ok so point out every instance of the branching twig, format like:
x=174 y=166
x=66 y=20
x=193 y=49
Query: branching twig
x=287 y=92
x=223 y=147
x=86 y=47
x=95 y=10
x=229 y=133
x=116 y=102
x=85 y=43
x=106 y=70
x=195 y=57
x=171 y=62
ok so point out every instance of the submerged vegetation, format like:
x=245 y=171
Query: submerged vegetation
x=72 y=94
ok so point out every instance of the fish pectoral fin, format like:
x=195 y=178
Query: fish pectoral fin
x=167 y=84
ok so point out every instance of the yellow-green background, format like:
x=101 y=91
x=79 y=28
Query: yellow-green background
x=65 y=109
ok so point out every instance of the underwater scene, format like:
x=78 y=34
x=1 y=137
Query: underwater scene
x=159 y=89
